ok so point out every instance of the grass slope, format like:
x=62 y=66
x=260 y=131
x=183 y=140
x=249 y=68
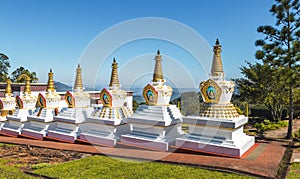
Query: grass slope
x=107 y=167
x=11 y=171
x=294 y=171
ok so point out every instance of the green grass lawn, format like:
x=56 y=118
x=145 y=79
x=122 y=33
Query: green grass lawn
x=107 y=167
x=294 y=171
x=10 y=171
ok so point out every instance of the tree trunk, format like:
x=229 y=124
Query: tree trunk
x=291 y=92
x=291 y=112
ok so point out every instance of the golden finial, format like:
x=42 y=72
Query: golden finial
x=179 y=105
x=217 y=65
x=27 y=83
x=8 y=91
x=78 y=80
x=50 y=86
x=114 y=79
x=247 y=110
x=158 y=74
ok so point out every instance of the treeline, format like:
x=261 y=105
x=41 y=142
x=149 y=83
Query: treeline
x=14 y=77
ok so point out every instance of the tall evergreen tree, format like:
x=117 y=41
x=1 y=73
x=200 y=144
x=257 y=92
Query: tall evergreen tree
x=280 y=47
x=4 y=66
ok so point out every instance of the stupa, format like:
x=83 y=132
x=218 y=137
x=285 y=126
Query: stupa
x=7 y=104
x=219 y=128
x=25 y=107
x=105 y=125
x=66 y=124
x=157 y=124
x=48 y=107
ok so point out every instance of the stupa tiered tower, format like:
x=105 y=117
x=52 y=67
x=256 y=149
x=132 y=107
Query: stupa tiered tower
x=66 y=124
x=25 y=106
x=48 y=107
x=219 y=128
x=7 y=104
x=156 y=124
x=105 y=125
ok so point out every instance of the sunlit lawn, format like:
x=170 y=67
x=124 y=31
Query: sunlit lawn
x=10 y=171
x=294 y=171
x=106 y=167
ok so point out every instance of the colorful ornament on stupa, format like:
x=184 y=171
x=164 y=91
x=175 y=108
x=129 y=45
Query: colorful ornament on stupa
x=105 y=125
x=66 y=124
x=25 y=106
x=219 y=128
x=116 y=105
x=216 y=91
x=156 y=124
x=7 y=104
x=48 y=106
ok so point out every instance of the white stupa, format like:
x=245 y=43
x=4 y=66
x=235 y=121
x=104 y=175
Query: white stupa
x=105 y=125
x=48 y=107
x=66 y=124
x=25 y=106
x=7 y=104
x=157 y=124
x=219 y=128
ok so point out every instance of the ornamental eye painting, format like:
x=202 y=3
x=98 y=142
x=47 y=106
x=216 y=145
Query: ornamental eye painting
x=69 y=99
x=150 y=96
x=41 y=101
x=105 y=99
x=19 y=103
x=211 y=92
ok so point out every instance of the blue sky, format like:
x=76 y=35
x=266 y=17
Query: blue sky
x=43 y=34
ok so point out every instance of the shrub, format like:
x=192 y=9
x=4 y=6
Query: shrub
x=260 y=111
x=296 y=134
x=267 y=125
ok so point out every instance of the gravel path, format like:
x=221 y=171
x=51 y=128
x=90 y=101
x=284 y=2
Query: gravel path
x=281 y=133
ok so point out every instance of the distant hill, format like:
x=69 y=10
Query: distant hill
x=62 y=87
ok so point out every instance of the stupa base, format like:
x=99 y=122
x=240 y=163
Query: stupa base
x=147 y=141
x=102 y=132
x=216 y=136
x=98 y=139
x=215 y=146
x=35 y=130
x=12 y=129
x=67 y=131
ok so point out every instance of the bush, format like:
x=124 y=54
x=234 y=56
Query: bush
x=296 y=134
x=267 y=125
x=260 y=111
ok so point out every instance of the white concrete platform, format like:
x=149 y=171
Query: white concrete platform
x=66 y=125
x=15 y=122
x=216 y=136
x=154 y=127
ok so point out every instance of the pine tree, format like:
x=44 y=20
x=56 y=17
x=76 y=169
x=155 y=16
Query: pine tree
x=280 y=47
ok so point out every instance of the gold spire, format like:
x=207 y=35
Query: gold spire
x=158 y=74
x=27 y=83
x=50 y=86
x=217 y=66
x=8 y=91
x=114 y=79
x=78 y=80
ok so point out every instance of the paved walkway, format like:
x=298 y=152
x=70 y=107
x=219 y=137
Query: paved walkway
x=262 y=160
x=280 y=134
